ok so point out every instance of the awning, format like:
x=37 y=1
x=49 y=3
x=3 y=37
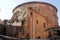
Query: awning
x=52 y=29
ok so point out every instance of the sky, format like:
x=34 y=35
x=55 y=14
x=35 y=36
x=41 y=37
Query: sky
x=6 y=7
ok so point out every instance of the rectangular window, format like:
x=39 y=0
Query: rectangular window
x=37 y=21
x=44 y=25
x=31 y=14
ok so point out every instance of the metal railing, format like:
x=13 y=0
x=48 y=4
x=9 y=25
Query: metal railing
x=2 y=37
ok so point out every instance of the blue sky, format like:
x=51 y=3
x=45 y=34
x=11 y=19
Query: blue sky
x=6 y=7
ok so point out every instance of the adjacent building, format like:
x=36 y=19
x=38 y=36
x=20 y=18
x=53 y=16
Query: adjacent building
x=32 y=18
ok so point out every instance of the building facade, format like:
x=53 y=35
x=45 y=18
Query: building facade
x=32 y=18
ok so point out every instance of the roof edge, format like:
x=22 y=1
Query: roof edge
x=35 y=2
